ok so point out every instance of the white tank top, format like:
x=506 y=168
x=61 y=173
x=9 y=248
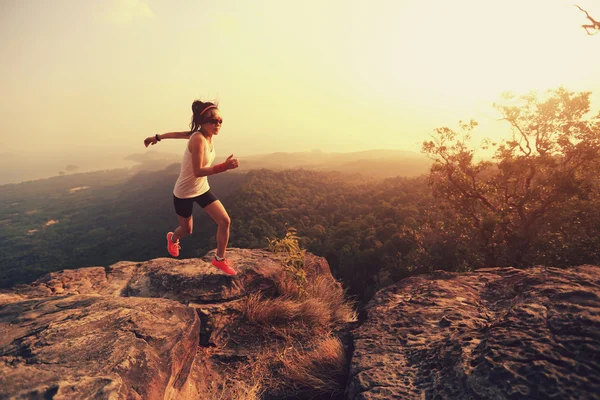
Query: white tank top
x=187 y=184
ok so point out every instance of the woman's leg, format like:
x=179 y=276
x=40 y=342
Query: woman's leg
x=219 y=215
x=185 y=228
x=183 y=209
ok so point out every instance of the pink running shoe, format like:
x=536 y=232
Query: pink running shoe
x=222 y=265
x=173 y=247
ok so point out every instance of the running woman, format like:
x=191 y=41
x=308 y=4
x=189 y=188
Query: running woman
x=192 y=184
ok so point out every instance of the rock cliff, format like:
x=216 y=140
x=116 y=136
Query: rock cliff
x=180 y=329
x=499 y=333
x=162 y=329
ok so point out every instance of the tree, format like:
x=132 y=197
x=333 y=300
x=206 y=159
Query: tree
x=548 y=160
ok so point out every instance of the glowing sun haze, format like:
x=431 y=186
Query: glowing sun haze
x=290 y=76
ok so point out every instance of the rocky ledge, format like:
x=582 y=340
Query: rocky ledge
x=162 y=329
x=181 y=329
x=499 y=333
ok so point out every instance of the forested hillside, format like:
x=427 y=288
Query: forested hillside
x=537 y=202
x=92 y=219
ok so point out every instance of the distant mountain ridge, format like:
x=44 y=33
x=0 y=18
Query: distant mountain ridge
x=379 y=163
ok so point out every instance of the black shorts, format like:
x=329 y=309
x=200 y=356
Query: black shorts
x=183 y=207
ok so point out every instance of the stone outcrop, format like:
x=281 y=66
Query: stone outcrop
x=90 y=346
x=131 y=330
x=173 y=329
x=500 y=333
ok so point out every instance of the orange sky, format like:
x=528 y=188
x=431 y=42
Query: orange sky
x=290 y=76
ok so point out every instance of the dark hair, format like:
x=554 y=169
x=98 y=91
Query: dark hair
x=199 y=117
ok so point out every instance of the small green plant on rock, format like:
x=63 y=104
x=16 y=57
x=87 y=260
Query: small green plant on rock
x=294 y=261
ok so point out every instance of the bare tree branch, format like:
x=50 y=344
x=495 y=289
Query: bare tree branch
x=595 y=25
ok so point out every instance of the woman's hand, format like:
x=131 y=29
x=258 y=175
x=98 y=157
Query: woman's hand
x=231 y=162
x=150 y=140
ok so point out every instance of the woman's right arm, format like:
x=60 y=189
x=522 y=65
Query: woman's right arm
x=197 y=146
x=152 y=140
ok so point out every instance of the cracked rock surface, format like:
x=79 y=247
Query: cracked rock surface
x=131 y=330
x=497 y=333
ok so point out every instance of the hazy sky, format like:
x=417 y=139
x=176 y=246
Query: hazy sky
x=100 y=75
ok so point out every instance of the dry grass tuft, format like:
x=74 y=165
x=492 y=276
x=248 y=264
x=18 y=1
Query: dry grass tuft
x=231 y=389
x=318 y=371
x=315 y=313
x=330 y=293
x=270 y=311
x=301 y=355
x=248 y=381
x=288 y=288
x=322 y=305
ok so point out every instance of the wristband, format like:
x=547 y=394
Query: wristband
x=220 y=168
x=157 y=138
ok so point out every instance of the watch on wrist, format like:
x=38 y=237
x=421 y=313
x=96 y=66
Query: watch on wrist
x=157 y=138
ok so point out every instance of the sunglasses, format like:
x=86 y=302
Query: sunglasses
x=213 y=121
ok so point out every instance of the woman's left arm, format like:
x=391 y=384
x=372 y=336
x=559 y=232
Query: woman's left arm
x=169 y=135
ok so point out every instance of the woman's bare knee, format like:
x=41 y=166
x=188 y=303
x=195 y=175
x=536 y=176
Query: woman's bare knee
x=218 y=214
x=225 y=221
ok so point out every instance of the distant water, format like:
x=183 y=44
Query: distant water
x=13 y=170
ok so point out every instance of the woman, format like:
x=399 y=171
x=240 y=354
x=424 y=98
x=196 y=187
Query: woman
x=192 y=184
